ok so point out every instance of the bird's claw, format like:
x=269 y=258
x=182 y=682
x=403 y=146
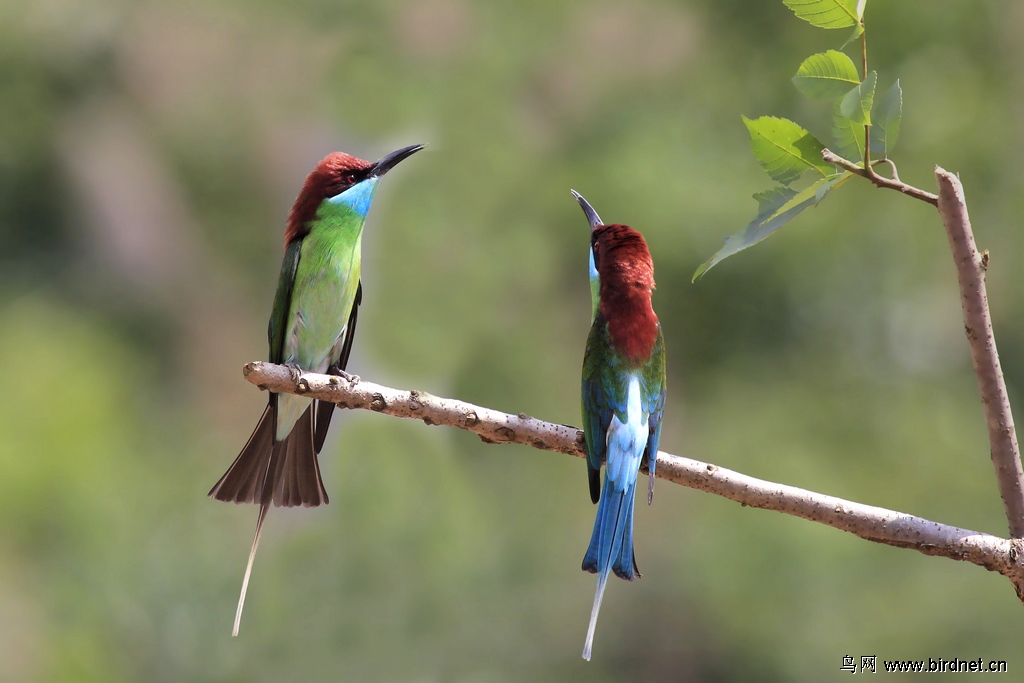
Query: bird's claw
x=295 y=371
x=338 y=372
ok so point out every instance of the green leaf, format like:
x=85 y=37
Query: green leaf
x=856 y=104
x=827 y=13
x=848 y=136
x=826 y=75
x=776 y=207
x=886 y=127
x=784 y=149
x=857 y=31
x=814 y=193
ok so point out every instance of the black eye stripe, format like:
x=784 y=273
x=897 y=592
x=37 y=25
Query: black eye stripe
x=344 y=181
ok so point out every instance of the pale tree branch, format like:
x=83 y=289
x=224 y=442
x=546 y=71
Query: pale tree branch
x=871 y=523
x=970 y=269
x=893 y=183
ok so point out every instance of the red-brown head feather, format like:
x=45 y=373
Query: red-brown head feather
x=333 y=175
x=627 y=278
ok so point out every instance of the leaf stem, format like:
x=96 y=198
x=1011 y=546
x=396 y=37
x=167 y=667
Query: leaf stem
x=870 y=173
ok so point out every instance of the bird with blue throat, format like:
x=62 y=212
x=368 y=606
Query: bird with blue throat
x=312 y=325
x=623 y=396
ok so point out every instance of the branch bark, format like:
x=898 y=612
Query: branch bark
x=970 y=268
x=898 y=529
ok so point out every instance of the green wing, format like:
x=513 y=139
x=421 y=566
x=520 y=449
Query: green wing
x=283 y=300
x=598 y=400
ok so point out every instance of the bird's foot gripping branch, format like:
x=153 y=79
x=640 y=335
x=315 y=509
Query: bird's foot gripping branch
x=1005 y=556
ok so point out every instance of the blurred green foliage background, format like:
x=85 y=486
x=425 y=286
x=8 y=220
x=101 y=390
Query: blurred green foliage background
x=149 y=153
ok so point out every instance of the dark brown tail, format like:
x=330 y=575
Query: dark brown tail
x=284 y=473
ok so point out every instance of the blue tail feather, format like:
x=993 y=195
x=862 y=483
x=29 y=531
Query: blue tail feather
x=611 y=546
x=624 y=564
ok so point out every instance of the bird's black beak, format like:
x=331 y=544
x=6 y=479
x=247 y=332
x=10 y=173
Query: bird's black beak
x=391 y=160
x=592 y=216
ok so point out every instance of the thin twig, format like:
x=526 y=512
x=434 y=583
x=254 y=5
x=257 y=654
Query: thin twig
x=970 y=268
x=892 y=168
x=879 y=181
x=869 y=172
x=874 y=524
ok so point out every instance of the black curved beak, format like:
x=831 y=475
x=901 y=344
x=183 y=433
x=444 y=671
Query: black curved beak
x=391 y=160
x=592 y=216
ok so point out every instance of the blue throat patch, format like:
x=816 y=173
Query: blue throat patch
x=359 y=196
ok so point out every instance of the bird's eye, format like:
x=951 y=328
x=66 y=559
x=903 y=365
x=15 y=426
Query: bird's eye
x=350 y=178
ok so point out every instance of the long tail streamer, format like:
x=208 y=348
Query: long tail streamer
x=248 y=569
x=602 y=581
